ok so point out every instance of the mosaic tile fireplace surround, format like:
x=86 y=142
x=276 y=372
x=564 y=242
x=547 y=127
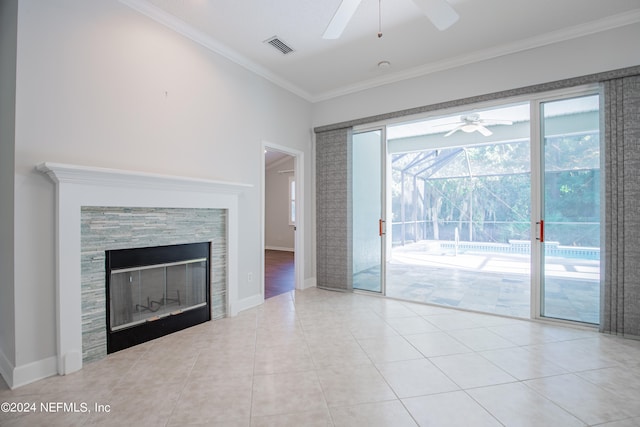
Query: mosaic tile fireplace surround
x=110 y=228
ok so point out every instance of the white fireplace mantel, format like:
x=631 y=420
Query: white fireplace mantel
x=78 y=186
x=74 y=174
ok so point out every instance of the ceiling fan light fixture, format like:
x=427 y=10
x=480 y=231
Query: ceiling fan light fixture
x=473 y=123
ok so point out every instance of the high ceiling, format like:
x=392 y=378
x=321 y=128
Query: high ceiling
x=320 y=69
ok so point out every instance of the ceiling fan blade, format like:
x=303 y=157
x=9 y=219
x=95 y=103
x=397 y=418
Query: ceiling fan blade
x=452 y=131
x=439 y=12
x=483 y=130
x=447 y=124
x=341 y=18
x=496 y=122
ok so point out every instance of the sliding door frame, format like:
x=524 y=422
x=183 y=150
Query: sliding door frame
x=537 y=192
x=536 y=146
x=384 y=196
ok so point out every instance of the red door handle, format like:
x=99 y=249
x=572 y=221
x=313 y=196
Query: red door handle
x=541 y=224
x=380 y=227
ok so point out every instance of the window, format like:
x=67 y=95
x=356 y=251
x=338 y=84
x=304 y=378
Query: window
x=292 y=200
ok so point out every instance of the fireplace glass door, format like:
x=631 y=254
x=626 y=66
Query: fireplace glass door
x=148 y=293
x=155 y=291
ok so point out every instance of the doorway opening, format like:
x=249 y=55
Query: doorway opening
x=461 y=209
x=282 y=217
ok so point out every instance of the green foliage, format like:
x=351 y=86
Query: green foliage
x=488 y=188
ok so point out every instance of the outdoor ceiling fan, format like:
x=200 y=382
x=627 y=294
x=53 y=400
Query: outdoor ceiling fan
x=473 y=123
x=439 y=12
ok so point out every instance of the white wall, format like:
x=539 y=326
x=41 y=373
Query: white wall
x=100 y=85
x=604 y=51
x=278 y=234
x=8 y=35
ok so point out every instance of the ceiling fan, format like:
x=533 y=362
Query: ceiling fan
x=441 y=14
x=473 y=123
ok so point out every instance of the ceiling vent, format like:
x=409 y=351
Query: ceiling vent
x=279 y=44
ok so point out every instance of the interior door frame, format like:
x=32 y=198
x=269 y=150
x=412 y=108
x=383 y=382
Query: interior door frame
x=299 y=238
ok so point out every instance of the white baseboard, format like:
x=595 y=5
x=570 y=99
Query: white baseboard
x=279 y=248
x=250 y=302
x=32 y=372
x=309 y=283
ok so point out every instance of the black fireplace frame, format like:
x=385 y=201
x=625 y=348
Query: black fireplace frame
x=139 y=257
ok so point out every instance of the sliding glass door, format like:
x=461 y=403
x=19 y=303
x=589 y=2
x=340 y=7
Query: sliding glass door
x=569 y=229
x=367 y=210
x=495 y=209
x=461 y=209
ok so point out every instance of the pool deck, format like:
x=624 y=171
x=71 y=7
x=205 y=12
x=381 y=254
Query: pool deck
x=489 y=282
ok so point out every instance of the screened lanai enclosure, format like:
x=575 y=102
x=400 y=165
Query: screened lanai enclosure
x=463 y=209
x=476 y=194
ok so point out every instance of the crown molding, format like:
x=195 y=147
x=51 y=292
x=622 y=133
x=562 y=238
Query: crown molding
x=157 y=14
x=565 y=34
x=188 y=31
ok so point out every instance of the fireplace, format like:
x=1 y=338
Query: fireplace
x=155 y=291
x=101 y=209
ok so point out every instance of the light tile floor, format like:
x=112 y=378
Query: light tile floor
x=320 y=358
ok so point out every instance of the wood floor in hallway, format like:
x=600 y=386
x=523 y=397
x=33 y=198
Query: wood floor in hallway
x=278 y=272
